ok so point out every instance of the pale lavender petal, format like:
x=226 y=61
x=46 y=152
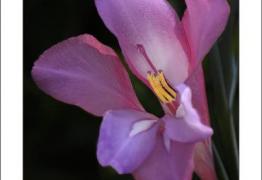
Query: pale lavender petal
x=150 y=35
x=189 y=127
x=186 y=130
x=204 y=21
x=115 y=145
x=203 y=157
x=175 y=164
x=83 y=72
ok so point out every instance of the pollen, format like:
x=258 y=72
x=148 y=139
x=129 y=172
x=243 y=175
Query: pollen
x=160 y=87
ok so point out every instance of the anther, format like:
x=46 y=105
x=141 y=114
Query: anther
x=161 y=88
x=151 y=80
x=165 y=84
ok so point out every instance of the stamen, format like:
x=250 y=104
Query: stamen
x=142 y=50
x=155 y=89
x=161 y=88
x=166 y=86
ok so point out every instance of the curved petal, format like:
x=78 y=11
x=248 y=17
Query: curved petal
x=176 y=164
x=204 y=21
x=83 y=72
x=150 y=35
x=187 y=127
x=117 y=148
x=196 y=82
x=185 y=130
x=203 y=157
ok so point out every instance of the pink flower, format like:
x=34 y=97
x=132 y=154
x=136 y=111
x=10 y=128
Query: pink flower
x=165 y=54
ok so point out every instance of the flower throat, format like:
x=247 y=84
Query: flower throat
x=158 y=82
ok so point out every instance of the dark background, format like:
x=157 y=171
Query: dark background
x=60 y=140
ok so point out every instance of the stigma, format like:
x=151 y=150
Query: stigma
x=161 y=88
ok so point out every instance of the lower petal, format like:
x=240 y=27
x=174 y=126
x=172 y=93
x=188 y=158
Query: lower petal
x=115 y=145
x=187 y=131
x=175 y=164
x=188 y=127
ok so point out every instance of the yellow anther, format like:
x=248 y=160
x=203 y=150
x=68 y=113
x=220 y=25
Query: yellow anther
x=166 y=86
x=151 y=80
x=162 y=90
x=159 y=85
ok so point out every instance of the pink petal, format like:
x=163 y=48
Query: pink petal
x=203 y=160
x=163 y=165
x=204 y=21
x=83 y=72
x=189 y=127
x=148 y=29
x=115 y=145
x=203 y=157
x=196 y=82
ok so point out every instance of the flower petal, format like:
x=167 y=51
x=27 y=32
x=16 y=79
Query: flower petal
x=148 y=29
x=196 y=83
x=175 y=164
x=141 y=126
x=203 y=160
x=83 y=72
x=189 y=127
x=204 y=21
x=115 y=145
x=203 y=157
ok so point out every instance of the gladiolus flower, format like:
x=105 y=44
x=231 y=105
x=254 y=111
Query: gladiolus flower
x=161 y=51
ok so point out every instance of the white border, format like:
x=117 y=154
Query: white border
x=250 y=90
x=11 y=90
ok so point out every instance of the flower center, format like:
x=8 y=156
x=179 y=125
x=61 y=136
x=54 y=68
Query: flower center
x=158 y=83
x=161 y=88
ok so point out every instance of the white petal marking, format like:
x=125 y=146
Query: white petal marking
x=167 y=142
x=141 y=126
x=180 y=112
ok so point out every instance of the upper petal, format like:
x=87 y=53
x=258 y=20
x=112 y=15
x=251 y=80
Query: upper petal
x=204 y=21
x=187 y=128
x=116 y=144
x=86 y=73
x=150 y=34
x=175 y=164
